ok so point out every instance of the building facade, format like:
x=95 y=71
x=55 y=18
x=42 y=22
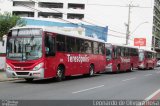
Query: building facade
x=63 y=9
x=156 y=27
x=144 y=16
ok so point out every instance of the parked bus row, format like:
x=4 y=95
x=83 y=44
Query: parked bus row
x=126 y=58
x=45 y=52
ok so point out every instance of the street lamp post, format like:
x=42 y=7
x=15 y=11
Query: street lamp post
x=128 y=31
x=139 y=26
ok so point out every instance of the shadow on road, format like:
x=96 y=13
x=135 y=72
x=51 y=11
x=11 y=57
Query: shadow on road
x=53 y=80
x=122 y=72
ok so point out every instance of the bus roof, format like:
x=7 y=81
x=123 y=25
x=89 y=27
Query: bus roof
x=148 y=50
x=122 y=45
x=60 y=30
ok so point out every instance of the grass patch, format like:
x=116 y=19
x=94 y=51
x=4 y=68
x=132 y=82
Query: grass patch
x=1 y=70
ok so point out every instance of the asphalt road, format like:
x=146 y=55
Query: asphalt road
x=136 y=85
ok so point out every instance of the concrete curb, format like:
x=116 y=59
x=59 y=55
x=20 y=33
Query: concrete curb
x=3 y=77
x=9 y=80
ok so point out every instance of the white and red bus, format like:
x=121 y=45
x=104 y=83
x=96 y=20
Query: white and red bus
x=46 y=52
x=147 y=59
x=121 y=58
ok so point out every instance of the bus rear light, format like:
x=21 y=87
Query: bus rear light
x=37 y=67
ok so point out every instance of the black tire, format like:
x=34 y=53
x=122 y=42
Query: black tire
x=118 y=69
x=131 y=68
x=91 y=71
x=153 y=67
x=60 y=74
x=147 y=67
x=29 y=79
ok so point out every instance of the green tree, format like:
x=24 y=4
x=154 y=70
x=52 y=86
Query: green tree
x=8 y=21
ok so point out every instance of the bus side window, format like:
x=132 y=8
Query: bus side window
x=95 y=48
x=49 y=46
x=118 y=52
x=122 y=51
x=114 y=52
x=71 y=46
x=60 y=43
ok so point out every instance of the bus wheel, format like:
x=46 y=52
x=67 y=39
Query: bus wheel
x=153 y=66
x=147 y=67
x=29 y=79
x=118 y=69
x=60 y=74
x=91 y=70
x=131 y=68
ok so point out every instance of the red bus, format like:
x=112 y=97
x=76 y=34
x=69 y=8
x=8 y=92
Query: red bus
x=121 y=58
x=47 y=52
x=147 y=59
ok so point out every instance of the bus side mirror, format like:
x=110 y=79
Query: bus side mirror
x=3 y=42
x=46 y=51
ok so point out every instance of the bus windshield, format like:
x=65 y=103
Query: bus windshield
x=24 y=48
x=141 y=56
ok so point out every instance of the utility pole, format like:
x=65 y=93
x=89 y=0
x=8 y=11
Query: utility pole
x=129 y=21
x=128 y=24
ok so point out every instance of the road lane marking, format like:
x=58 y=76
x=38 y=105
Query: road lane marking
x=88 y=89
x=147 y=75
x=129 y=79
x=153 y=95
x=150 y=99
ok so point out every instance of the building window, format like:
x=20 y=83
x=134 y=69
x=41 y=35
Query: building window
x=49 y=15
x=50 y=5
x=76 y=6
x=20 y=3
x=75 y=16
x=23 y=13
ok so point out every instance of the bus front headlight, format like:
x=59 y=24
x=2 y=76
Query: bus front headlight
x=37 y=67
x=8 y=67
x=110 y=65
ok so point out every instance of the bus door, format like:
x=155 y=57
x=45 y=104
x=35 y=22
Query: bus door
x=127 y=60
x=116 y=63
x=50 y=53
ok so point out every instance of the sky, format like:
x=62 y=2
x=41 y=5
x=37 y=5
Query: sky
x=114 y=14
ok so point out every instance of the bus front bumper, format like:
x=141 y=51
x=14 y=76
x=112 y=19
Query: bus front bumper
x=108 y=68
x=141 y=66
x=38 y=74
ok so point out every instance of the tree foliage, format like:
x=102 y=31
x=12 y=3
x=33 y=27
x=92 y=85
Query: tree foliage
x=8 y=21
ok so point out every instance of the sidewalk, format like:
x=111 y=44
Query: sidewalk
x=3 y=77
